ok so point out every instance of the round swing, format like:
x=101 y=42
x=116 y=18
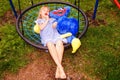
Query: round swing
x=25 y=22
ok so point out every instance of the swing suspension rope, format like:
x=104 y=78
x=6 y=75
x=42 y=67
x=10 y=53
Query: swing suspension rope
x=25 y=21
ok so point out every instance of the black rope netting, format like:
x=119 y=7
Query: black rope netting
x=25 y=21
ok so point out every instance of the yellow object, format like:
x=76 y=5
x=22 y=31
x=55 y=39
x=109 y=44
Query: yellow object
x=66 y=35
x=76 y=43
x=37 y=28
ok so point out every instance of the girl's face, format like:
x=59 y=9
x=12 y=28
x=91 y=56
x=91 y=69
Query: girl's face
x=44 y=12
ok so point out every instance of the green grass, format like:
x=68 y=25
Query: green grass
x=12 y=50
x=3 y=7
x=97 y=58
x=101 y=50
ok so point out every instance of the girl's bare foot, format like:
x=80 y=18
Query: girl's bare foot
x=57 y=75
x=62 y=73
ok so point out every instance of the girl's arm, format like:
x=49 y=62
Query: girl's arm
x=42 y=25
x=54 y=25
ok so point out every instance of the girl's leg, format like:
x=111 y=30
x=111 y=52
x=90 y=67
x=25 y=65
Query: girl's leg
x=60 y=50
x=54 y=54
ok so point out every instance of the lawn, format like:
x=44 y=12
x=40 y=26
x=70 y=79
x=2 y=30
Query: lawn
x=98 y=58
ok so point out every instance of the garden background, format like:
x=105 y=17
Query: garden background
x=98 y=58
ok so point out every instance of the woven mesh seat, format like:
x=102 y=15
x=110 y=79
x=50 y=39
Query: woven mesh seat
x=25 y=22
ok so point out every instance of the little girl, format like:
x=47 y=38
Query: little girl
x=51 y=38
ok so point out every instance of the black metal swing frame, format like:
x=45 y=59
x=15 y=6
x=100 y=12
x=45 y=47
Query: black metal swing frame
x=19 y=22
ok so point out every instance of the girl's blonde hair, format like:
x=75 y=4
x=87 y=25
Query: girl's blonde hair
x=42 y=8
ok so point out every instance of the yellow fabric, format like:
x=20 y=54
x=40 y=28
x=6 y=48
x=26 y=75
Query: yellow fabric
x=65 y=35
x=76 y=43
x=37 y=28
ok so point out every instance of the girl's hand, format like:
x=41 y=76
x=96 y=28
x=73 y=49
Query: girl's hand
x=47 y=18
x=54 y=25
x=42 y=26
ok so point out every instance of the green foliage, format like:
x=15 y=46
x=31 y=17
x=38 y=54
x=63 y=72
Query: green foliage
x=12 y=50
x=3 y=7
